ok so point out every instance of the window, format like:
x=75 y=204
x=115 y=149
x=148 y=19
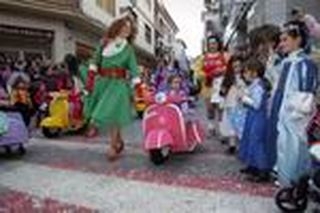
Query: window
x=148 y=34
x=161 y=23
x=107 y=5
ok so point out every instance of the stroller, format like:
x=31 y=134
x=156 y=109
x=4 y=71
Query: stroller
x=295 y=199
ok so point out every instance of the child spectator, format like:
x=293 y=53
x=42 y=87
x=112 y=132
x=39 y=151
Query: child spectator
x=233 y=116
x=20 y=99
x=254 y=148
x=40 y=101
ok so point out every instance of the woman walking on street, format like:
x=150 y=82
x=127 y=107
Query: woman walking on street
x=112 y=73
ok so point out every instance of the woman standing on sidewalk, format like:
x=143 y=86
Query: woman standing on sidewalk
x=112 y=73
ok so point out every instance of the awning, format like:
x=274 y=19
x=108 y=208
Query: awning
x=25 y=31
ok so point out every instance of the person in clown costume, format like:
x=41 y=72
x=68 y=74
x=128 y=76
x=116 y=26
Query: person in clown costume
x=210 y=67
x=113 y=73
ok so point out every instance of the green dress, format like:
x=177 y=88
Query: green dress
x=109 y=104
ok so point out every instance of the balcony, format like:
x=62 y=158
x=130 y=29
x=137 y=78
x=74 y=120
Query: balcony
x=70 y=5
x=42 y=6
x=66 y=10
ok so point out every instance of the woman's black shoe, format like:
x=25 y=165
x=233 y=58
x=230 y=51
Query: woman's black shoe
x=260 y=177
x=249 y=171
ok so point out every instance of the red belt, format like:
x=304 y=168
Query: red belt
x=118 y=73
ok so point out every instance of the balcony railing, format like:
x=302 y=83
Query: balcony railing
x=60 y=5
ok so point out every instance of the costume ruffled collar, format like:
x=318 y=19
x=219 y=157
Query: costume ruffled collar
x=114 y=47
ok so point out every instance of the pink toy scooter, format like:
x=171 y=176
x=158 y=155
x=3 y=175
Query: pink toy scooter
x=165 y=130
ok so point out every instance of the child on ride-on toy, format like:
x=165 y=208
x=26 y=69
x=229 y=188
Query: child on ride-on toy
x=41 y=100
x=176 y=89
x=194 y=129
x=20 y=99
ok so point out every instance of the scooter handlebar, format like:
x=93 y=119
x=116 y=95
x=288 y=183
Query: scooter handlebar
x=57 y=95
x=165 y=99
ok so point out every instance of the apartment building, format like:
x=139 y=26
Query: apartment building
x=43 y=27
x=165 y=32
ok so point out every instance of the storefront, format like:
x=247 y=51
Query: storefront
x=35 y=32
x=18 y=41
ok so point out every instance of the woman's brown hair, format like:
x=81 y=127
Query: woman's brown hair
x=115 y=29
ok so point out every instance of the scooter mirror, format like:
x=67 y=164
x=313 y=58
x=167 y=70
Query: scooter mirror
x=160 y=98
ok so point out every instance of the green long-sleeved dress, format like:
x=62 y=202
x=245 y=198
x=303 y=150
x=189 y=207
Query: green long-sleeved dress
x=109 y=104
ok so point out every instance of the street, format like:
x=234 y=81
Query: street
x=251 y=66
x=72 y=174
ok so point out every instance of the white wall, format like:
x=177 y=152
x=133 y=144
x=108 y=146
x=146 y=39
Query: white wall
x=90 y=8
x=61 y=44
x=145 y=16
x=276 y=12
x=268 y=12
x=149 y=12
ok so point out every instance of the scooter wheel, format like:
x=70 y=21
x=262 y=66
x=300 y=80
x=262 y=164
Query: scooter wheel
x=51 y=132
x=157 y=157
x=287 y=203
x=22 y=150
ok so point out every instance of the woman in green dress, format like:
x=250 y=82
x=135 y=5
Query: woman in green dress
x=113 y=72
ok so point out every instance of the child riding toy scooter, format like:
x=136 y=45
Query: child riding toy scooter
x=14 y=133
x=165 y=130
x=13 y=130
x=61 y=113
